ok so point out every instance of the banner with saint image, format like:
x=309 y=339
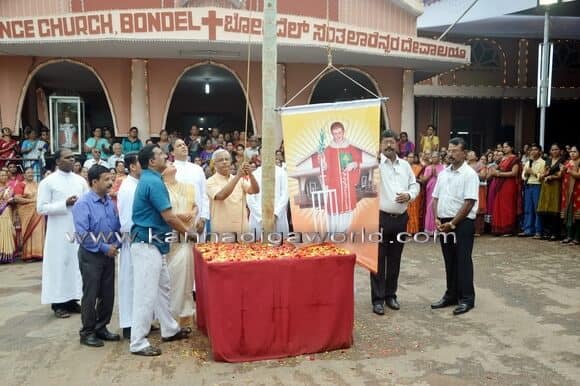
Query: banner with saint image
x=333 y=180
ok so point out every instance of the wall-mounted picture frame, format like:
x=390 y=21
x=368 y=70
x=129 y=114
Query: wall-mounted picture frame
x=66 y=123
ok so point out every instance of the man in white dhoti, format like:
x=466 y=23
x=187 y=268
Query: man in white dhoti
x=61 y=277
x=192 y=174
x=153 y=221
x=280 y=203
x=125 y=207
x=180 y=256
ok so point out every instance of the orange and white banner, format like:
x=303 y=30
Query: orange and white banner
x=331 y=156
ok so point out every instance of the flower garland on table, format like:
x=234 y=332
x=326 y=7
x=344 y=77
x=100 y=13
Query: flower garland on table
x=230 y=252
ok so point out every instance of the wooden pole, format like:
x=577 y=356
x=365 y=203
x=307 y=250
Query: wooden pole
x=269 y=115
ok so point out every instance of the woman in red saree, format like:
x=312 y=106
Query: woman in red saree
x=571 y=197
x=7 y=146
x=508 y=197
x=32 y=223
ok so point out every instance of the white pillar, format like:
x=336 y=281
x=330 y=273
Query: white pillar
x=280 y=100
x=408 y=104
x=140 y=98
x=270 y=117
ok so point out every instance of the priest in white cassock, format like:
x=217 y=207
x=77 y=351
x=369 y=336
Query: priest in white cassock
x=125 y=207
x=61 y=277
x=280 y=203
x=192 y=174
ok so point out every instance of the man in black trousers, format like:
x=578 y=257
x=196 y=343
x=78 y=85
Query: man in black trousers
x=97 y=225
x=455 y=203
x=398 y=186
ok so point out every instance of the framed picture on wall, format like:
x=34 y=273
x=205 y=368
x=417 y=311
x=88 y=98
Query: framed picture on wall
x=66 y=123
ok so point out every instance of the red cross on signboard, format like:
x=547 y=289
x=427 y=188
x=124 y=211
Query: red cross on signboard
x=212 y=22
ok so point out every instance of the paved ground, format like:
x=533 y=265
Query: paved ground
x=525 y=330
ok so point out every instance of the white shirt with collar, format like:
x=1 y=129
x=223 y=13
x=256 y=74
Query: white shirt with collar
x=91 y=162
x=113 y=160
x=396 y=177
x=193 y=174
x=453 y=187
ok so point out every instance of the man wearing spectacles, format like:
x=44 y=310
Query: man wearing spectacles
x=96 y=160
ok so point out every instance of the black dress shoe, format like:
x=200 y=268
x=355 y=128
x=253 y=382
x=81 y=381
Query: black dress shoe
x=61 y=313
x=107 y=335
x=443 y=302
x=127 y=332
x=73 y=307
x=462 y=308
x=181 y=334
x=393 y=304
x=92 y=341
x=378 y=309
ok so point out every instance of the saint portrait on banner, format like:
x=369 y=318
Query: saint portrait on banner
x=340 y=164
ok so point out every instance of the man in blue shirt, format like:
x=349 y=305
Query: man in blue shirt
x=97 y=225
x=153 y=221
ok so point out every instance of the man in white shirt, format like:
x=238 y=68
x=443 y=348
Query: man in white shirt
x=125 y=207
x=252 y=149
x=531 y=175
x=280 y=202
x=96 y=160
x=117 y=155
x=397 y=188
x=193 y=174
x=455 y=207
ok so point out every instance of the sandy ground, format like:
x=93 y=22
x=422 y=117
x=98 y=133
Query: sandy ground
x=525 y=330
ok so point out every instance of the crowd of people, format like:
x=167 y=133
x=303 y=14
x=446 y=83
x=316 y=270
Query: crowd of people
x=24 y=162
x=211 y=183
x=528 y=193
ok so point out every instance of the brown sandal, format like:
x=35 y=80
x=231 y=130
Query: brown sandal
x=148 y=351
x=181 y=334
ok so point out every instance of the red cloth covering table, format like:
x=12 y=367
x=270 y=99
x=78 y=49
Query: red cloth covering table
x=264 y=309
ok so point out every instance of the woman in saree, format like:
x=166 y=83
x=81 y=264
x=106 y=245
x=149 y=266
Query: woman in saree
x=180 y=256
x=33 y=150
x=492 y=184
x=7 y=147
x=428 y=180
x=7 y=232
x=570 y=211
x=551 y=194
x=415 y=206
x=508 y=196
x=32 y=223
x=479 y=166
x=405 y=146
x=119 y=177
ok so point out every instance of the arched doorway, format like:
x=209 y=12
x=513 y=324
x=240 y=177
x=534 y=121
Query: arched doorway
x=209 y=96
x=66 y=79
x=335 y=87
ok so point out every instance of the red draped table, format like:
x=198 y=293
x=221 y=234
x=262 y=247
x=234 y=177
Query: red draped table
x=274 y=308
